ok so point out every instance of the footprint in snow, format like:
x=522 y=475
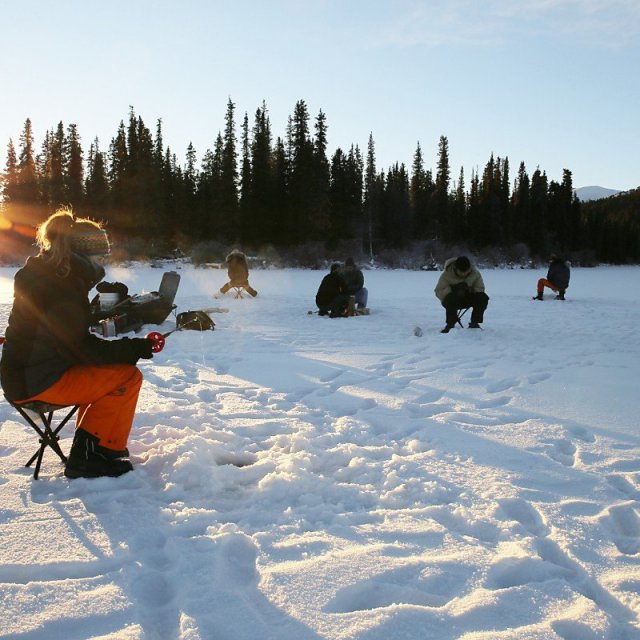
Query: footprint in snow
x=236 y=558
x=422 y=586
x=515 y=572
x=623 y=484
x=526 y=514
x=581 y=433
x=627 y=527
x=502 y=385
x=538 y=377
x=500 y=401
x=571 y=630
x=563 y=451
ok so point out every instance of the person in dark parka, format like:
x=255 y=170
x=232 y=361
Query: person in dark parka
x=354 y=280
x=557 y=279
x=332 y=297
x=50 y=355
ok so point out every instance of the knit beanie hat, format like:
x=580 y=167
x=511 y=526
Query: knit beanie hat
x=88 y=239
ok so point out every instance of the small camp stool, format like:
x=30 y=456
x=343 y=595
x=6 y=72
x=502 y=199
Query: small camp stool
x=48 y=432
x=238 y=292
x=461 y=313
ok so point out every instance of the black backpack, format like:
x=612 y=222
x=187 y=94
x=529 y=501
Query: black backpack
x=196 y=320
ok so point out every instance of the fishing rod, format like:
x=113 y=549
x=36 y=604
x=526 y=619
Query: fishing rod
x=199 y=320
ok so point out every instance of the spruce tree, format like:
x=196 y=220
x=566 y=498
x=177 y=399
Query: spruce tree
x=395 y=216
x=229 y=213
x=96 y=184
x=301 y=226
x=439 y=201
x=73 y=168
x=263 y=186
x=372 y=197
x=246 y=213
x=27 y=191
x=420 y=191
x=56 y=164
x=118 y=161
x=9 y=178
x=537 y=235
x=521 y=206
x=319 y=197
x=280 y=214
x=458 y=214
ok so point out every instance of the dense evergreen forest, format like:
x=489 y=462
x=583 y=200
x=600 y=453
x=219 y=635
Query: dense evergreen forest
x=287 y=197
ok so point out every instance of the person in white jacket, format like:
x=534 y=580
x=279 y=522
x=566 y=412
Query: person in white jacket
x=461 y=286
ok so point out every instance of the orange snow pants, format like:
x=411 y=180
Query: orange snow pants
x=543 y=282
x=107 y=395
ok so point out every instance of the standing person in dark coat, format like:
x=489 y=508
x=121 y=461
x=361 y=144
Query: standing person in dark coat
x=332 y=297
x=355 y=283
x=461 y=286
x=557 y=279
x=50 y=354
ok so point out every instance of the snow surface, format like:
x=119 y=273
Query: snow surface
x=298 y=477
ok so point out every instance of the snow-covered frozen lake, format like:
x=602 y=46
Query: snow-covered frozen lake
x=480 y=485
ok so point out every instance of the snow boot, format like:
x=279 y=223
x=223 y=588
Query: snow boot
x=538 y=297
x=474 y=325
x=447 y=328
x=87 y=459
x=560 y=295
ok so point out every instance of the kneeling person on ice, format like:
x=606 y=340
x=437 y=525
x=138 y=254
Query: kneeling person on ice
x=50 y=354
x=461 y=286
x=332 y=297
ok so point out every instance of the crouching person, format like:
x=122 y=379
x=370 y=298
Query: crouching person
x=557 y=279
x=50 y=354
x=461 y=286
x=332 y=297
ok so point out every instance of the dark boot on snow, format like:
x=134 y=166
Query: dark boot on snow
x=87 y=459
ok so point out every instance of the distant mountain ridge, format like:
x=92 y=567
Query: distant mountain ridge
x=595 y=193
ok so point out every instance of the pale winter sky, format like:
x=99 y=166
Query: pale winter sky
x=553 y=83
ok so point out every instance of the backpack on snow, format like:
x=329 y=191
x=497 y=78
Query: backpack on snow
x=196 y=320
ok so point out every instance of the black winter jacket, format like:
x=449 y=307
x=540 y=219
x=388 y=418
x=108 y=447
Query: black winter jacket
x=48 y=330
x=353 y=279
x=332 y=285
x=559 y=273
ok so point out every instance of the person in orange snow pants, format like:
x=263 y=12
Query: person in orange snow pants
x=49 y=353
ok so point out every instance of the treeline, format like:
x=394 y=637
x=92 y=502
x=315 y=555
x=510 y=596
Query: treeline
x=613 y=225
x=255 y=190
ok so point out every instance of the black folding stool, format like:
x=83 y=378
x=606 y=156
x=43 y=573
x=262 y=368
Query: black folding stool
x=461 y=313
x=48 y=433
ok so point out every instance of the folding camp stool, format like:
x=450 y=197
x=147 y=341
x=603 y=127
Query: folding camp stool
x=238 y=292
x=461 y=313
x=48 y=432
